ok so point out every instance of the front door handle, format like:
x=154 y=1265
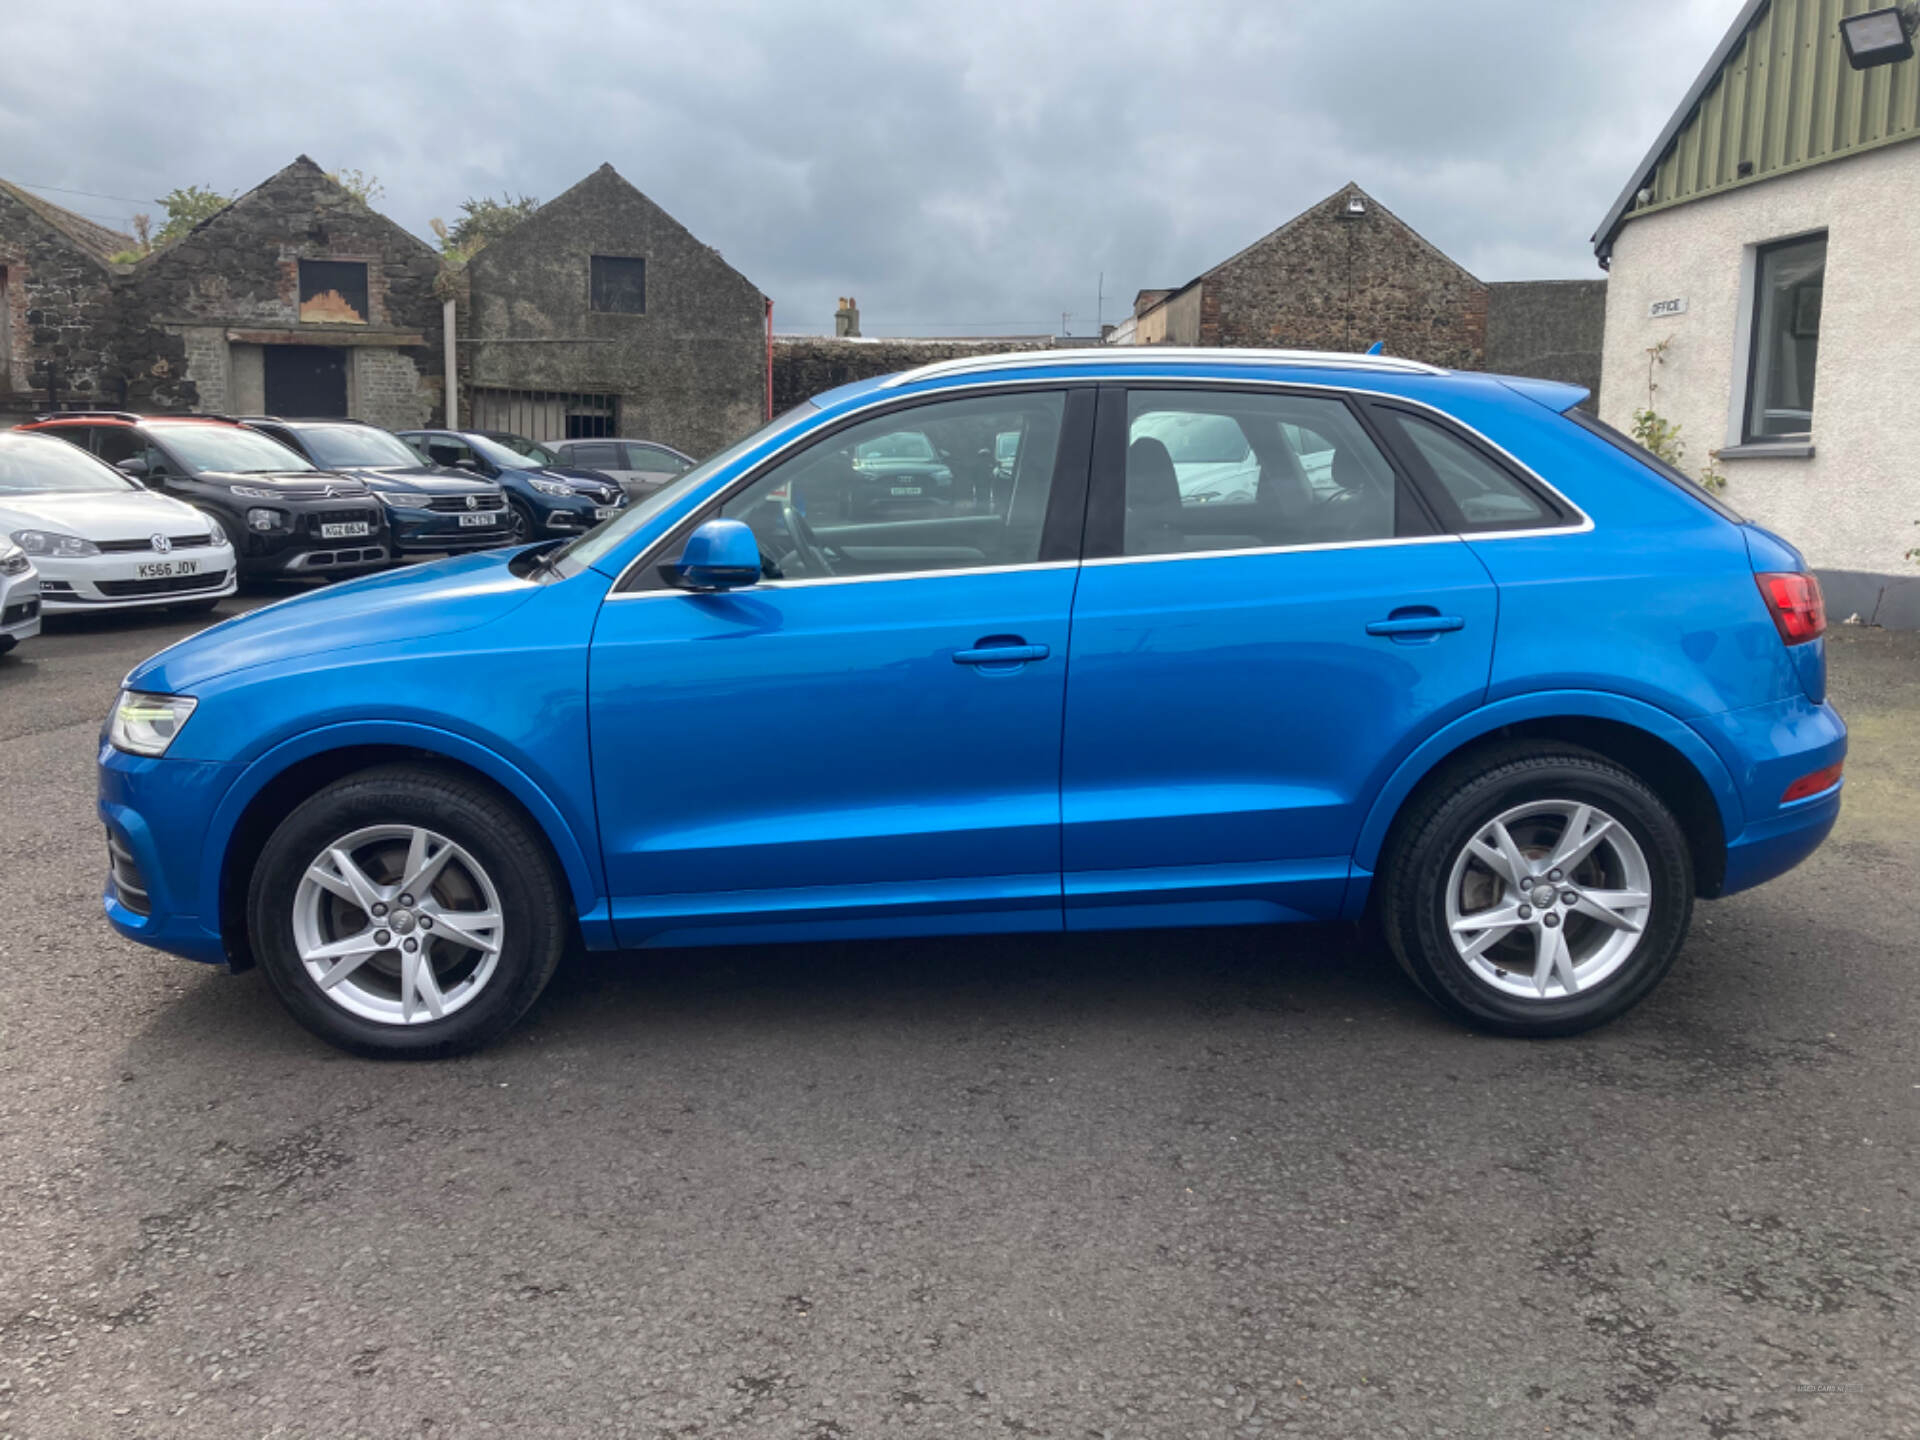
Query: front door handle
x=1000 y=650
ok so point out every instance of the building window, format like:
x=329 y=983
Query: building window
x=1788 y=279
x=619 y=285
x=333 y=292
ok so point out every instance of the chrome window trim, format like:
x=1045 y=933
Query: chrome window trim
x=747 y=477
x=1159 y=355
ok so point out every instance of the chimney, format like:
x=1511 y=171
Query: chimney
x=846 y=320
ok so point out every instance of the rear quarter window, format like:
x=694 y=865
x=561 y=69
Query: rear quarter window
x=1473 y=492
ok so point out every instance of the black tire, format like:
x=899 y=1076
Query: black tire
x=473 y=816
x=1453 y=809
x=520 y=527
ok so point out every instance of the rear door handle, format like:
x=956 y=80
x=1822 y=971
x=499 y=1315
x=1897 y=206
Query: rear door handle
x=1416 y=621
x=1010 y=652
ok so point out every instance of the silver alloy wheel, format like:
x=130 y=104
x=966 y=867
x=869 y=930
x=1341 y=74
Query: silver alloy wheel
x=397 y=924
x=1548 y=899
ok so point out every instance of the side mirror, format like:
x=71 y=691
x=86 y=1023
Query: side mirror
x=134 y=467
x=720 y=555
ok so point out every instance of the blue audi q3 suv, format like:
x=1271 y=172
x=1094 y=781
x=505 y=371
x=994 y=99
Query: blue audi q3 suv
x=1198 y=638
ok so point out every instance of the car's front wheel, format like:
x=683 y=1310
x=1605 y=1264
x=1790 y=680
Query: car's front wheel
x=520 y=525
x=406 y=911
x=1541 y=891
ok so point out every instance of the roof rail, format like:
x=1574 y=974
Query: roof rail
x=1162 y=355
x=87 y=415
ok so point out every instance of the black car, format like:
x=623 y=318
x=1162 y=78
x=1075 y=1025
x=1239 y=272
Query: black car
x=284 y=516
x=430 y=510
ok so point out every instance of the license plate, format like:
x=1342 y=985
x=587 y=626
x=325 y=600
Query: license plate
x=164 y=569
x=482 y=518
x=605 y=512
x=905 y=490
x=345 y=530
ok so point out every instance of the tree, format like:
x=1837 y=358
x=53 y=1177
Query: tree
x=186 y=207
x=363 y=187
x=485 y=219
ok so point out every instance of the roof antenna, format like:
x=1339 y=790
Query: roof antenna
x=1378 y=347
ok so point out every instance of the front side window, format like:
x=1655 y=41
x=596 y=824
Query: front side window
x=659 y=462
x=229 y=450
x=1788 y=284
x=600 y=455
x=912 y=491
x=619 y=285
x=1217 y=471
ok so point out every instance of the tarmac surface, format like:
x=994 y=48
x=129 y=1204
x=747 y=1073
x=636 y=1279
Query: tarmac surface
x=1188 y=1183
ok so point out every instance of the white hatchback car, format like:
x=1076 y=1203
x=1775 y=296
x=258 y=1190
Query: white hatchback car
x=99 y=540
x=19 y=596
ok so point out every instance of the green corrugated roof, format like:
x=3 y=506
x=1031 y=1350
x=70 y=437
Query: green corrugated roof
x=1777 y=96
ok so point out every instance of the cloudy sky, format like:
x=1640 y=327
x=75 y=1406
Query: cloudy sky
x=961 y=167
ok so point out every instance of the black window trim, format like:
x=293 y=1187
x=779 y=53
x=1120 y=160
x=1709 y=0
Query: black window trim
x=1107 y=499
x=1409 y=459
x=1061 y=533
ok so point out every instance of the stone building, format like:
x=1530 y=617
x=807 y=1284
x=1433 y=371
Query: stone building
x=56 y=304
x=1348 y=273
x=296 y=299
x=600 y=314
x=806 y=365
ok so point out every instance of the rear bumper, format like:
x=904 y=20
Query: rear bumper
x=1766 y=748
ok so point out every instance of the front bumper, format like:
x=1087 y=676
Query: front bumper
x=117 y=581
x=301 y=545
x=19 y=607
x=435 y=532
x=156 y=812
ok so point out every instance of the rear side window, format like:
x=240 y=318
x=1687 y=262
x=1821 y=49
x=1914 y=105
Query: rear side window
x=595 y=455
x=1472 y=491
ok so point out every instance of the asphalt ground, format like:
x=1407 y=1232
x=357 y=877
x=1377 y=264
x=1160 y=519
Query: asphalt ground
x=1188 y=1183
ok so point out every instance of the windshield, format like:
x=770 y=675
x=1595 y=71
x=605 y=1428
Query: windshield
x=520 y=445
x=505 y=456
x=42 y=465
x=603 y=537
x=228 y=449
x=339 y=446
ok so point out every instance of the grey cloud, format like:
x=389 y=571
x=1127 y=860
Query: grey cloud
x=953 y=165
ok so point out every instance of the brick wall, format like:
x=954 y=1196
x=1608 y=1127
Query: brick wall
x=1330 y=281
x=389 y=389
x=1548 y=329
x=806 y=365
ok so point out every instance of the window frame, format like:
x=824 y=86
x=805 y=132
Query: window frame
x=1756 y=308
x=1414 y=517
x=1061 y=533
x=593 y=263
x=300 y=264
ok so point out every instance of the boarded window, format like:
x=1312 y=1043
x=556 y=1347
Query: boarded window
x=333 y=292
x=619 y=285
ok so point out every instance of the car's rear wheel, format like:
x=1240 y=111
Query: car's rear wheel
x=1541 y=891
x=406 y=911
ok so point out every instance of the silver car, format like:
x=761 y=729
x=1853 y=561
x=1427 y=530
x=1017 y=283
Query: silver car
x=641 y=466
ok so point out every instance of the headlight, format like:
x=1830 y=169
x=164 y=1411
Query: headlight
x=553 y=487
x=13 y=560
x=45 y=542
x=146 y=724
x=261 y=519
x=252 y=492
x=403 y=499
x=216 y=530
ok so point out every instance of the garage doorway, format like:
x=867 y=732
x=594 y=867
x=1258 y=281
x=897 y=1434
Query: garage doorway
x=306 y=382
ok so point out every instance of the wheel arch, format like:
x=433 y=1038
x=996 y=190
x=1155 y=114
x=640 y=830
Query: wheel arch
x=1658 y=747
x=282 y=778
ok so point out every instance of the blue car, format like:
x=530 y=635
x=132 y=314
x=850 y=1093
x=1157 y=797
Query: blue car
x=1459 y=658
x=542 y=501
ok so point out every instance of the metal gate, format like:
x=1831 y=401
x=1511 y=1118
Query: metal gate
x=546 y=414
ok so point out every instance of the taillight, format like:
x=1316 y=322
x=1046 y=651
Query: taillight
x=1824 y=778
x=1795 y=601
